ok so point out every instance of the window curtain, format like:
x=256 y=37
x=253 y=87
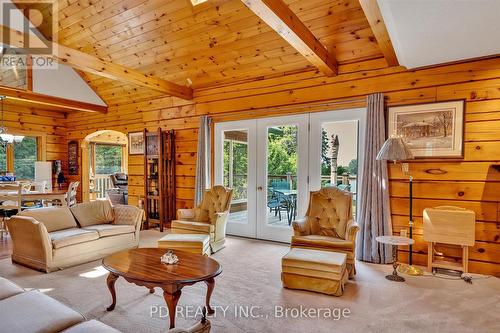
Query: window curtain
x=203 y=158
x=374 y=213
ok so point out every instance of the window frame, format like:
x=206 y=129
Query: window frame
x=40 y=150
x=93 y=157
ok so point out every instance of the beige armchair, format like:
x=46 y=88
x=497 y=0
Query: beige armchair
x=328 y=225
x=210 y=217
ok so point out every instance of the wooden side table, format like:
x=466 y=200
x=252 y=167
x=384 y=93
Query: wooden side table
x=395 y=241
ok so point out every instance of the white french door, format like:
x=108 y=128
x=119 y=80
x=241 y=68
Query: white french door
x=273 y=163
x=349 y=126
x=282 y=171
x=236 y=167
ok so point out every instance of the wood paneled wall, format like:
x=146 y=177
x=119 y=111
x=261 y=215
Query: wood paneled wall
x=471 y=182
x=166 y=112
x=50 y=125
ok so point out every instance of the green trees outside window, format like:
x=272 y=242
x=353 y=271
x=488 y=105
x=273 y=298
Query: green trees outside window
x=108 y=159
x=282 y=151
x=3 y=158
x=236 y=167
x=25 y=156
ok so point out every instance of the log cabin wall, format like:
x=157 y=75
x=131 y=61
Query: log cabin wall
x=164 y=112
x=471 y=182
x=49 y=126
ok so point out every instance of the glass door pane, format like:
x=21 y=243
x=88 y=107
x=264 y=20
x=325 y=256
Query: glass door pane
x=236 y=173
x=336 y=146
x=282 y=151
x=339 y=155
x=235 y=168
x=281 y=175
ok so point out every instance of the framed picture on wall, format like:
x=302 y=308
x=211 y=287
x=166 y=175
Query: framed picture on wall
x=434 y=130
x=136 y=143
x=73 y=158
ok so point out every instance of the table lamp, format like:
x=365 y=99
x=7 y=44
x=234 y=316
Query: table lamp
x=396 y=150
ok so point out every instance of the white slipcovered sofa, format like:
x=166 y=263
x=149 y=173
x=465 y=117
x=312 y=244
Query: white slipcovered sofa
x=57 y=237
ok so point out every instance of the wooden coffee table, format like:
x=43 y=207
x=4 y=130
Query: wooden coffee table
x=144 y=268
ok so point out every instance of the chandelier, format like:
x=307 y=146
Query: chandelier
x=4 y=136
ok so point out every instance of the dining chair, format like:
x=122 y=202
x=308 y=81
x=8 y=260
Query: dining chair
x=71 y=194
x=10 y=203
x=26 y=187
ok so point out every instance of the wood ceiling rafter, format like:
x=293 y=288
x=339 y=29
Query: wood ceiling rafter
x=221 y=43
x=284 y=21
x=377 y=24
x=98 y=66
x=35 y=99
x=181 y=24
x=241 y=38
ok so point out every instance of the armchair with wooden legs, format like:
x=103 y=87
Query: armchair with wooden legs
x=210 y=217
x=328 y=225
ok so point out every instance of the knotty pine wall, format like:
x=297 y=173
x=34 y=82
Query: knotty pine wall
x=50 y=126
x=471 y=182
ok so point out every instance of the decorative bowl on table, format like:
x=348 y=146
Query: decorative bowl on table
x=169 y=258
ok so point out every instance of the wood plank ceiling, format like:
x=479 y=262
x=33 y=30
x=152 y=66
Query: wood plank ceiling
x=220 y=42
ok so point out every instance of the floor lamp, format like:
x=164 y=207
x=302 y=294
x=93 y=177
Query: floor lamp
x=396 y=150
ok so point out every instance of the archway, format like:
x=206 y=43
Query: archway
x=104 y=152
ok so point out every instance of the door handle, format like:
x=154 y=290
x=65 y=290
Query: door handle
x=259 y=188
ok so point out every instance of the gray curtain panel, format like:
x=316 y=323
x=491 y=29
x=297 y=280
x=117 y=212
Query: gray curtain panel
x=202 y=181
x=375 y=212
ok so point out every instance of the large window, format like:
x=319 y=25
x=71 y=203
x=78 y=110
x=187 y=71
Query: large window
x=3 y=158
x=19 y=157
x=108 y=159
x=25 y=156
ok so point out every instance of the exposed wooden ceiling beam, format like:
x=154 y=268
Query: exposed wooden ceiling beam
x=101 y=67
x=279 y=17
x=41 y=100
x=374 y=17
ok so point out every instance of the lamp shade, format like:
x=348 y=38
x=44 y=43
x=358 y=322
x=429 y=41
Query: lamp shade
x=9 y=138
x=18 y=138
x=394 y=149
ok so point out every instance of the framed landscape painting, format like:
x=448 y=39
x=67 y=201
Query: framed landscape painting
x=432 y=130
x=136 y=143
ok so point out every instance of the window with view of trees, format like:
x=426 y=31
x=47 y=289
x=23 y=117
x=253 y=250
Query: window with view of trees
x=235 y=167
x=25 y=156
x=3 y=158
x=20 y=157
x=108 y=159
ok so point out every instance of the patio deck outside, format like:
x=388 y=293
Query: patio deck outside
x=338 y=168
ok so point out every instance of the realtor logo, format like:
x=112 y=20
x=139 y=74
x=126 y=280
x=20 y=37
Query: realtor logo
x=29 y=27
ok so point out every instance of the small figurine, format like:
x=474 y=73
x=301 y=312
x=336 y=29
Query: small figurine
x=169 y=258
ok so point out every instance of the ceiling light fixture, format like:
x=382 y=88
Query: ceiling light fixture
x=197 y=2
x=7 y=138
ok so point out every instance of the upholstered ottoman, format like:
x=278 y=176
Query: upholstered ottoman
x=313 y=270
x=194 y=243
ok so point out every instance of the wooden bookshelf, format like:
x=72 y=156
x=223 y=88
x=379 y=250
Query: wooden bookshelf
x=154 y=184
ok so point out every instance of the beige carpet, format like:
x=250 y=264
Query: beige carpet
x=251 y=278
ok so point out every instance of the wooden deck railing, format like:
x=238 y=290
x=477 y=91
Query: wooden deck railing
x=102 y=185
